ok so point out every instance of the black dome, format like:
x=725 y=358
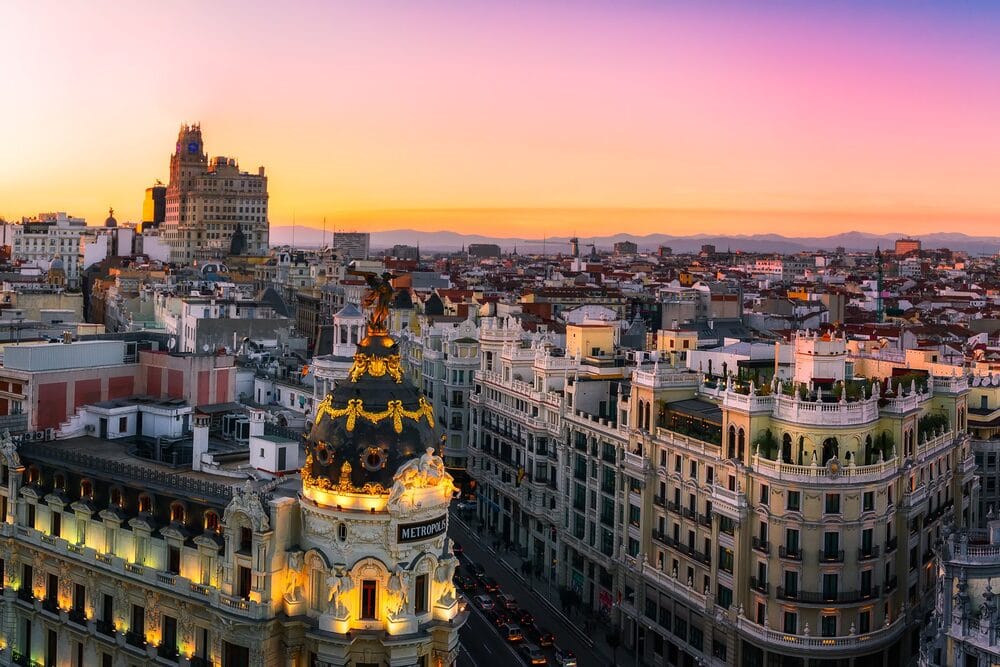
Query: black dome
x=369 y=425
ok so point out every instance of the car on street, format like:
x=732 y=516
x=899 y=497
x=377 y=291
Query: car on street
x=564 y=658
x=490 y=584
x=476 y=570
x=465 y=583
x=483 y=602
x=465 y=505
x=512 y=633
x=507 y=601
x=533 y=655
x=540 y=636
x=498 y=617
x=525 y=617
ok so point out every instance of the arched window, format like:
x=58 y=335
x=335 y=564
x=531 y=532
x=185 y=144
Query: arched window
x=86 y=489
x=732 y=443
x=116 y=498
x=742 y=441
x=831 y=449
x=145 y=504
x=786 y=448
x=33 y=475
x=211 y=521
x=177 y=513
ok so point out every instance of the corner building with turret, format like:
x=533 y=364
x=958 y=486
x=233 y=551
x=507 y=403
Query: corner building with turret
x=117 y=556
x=783 y=517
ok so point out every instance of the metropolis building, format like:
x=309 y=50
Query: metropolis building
x=208 y=201
x=113 y=555
x=716 y=521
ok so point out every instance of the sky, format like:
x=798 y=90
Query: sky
x=518 y=118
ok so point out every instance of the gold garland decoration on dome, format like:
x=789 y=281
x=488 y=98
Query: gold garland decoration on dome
x=344 y=485
x=376 y=367
x=394 y=410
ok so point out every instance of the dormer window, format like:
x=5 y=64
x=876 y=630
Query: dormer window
x=116 y=498
x=33 y=475
x=145 y=504
x=86 y=489
x=211 y=522
x=60 y=482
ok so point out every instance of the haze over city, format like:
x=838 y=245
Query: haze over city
x=518 y=119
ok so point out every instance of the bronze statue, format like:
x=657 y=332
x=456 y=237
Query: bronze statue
x=378 y=300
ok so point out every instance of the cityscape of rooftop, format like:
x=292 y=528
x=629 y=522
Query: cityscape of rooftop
x=499 y=334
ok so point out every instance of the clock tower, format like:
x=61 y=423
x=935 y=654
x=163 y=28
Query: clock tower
x=208 y=201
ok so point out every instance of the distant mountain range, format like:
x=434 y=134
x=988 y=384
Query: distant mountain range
x=309 y=237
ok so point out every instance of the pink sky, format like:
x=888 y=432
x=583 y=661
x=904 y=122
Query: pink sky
x=869 y=116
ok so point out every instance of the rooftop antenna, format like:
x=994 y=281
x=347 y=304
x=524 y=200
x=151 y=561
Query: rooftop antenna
x=324 y=232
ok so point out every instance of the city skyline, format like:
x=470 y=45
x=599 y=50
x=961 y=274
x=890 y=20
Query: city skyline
x=507 y=120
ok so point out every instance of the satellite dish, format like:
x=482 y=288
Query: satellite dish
x=975 y=382
x=206 y=347
x=172 y=343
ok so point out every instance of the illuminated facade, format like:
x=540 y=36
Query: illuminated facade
x=113 y=559
x=207 y=199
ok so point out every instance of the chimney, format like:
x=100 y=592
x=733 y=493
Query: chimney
x=256 y=422
x=199 y=444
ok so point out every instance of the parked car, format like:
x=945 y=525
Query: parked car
x=490 y=584
x=512 y=633
x=533 y=655
x=541 y=636
x=483 y=602
x=507 y=601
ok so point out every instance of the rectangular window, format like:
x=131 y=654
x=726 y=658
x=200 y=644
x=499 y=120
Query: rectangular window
x=829 y=626
x=368 y=592
x=868 y=501
x=794 y=501
x=56 y=524
x=791 y=584
x=420 y=594
x=791 y=623
x=865 y=622
x=174 y=560
x=833 y=505
x=764 y=494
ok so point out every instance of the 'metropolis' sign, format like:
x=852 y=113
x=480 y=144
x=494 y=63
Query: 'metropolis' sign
x=424 y=530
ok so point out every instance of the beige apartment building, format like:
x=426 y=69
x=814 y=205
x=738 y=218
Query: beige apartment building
x=789 y=524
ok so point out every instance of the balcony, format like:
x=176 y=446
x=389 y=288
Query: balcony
x=51 y=605
x=791 y=554
x=890 y=585
x=760 y=545
x=831 y=556
x=832 y=597
x=135 y=639
x=868 y=554
x=689 y=513
x=24 y=594
x=105 y=628
x=659 y=501
x=705 y=520
x=78 y=616
x=167 y=652
x=760 y=586
x=673 y=507
x=786 y=643
x=890 y=546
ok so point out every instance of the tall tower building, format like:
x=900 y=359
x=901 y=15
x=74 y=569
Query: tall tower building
x=207 y=199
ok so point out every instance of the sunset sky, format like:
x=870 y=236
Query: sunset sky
x=518 y=118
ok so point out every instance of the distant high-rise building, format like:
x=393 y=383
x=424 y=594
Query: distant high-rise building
x=207 y=199
x=665 y=251
x=574 y=246
x=154 y=206
x=626 y=248
x=708 y=249
x=483 y=250
x=351 y=245
x=400 y=251
x=906 y=246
